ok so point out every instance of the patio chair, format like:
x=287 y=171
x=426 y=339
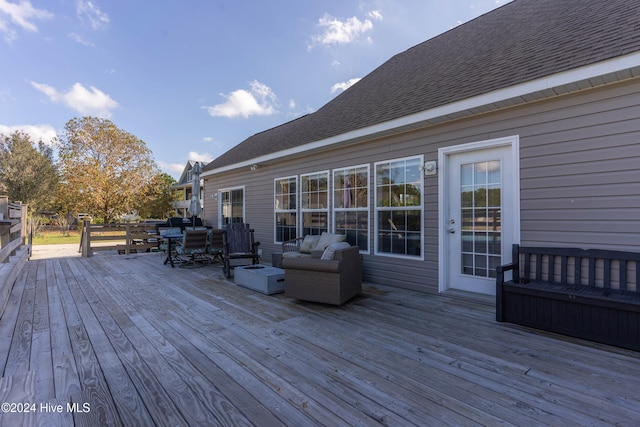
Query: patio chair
x=194 y=246
x=238 y=243
x=216 y=244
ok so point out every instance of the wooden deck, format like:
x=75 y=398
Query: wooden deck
x=125 y=340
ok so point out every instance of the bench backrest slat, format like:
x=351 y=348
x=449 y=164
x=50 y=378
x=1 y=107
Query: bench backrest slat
x=603 y=268
x=592 y=271
x=564 y=262
x=623 y=274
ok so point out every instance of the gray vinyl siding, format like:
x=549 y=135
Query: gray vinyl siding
x=580 y=181
x=579 y=177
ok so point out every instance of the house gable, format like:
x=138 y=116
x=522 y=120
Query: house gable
x=185 y=177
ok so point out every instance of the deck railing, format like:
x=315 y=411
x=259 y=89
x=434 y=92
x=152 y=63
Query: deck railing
x=14 y=250
x=125 y=238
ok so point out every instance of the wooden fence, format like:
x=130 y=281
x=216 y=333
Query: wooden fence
x=14 y=250
x=125 y=238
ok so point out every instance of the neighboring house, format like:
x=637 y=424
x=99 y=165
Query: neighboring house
x=183 y=190
x=521 y=126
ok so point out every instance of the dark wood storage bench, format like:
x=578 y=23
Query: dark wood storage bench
x=591 y=294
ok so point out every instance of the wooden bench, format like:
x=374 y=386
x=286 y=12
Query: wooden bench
x=590 y=294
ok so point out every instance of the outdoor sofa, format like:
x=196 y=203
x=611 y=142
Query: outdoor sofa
x=334 y=277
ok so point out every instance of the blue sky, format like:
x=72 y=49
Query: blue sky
x=195 y=78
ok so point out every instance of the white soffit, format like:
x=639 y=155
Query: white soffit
x=598 y=74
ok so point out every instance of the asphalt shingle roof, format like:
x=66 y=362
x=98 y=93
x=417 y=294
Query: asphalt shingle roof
x=518 y=42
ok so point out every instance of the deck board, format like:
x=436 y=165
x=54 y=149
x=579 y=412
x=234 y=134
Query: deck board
x=145 y=344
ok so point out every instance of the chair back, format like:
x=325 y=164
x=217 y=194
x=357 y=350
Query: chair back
x=194 y=240
x=239 y=238
x=216 y=241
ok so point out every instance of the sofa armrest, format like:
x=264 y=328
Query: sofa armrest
x=292 y=245
x=311 y=264
x=351 y=255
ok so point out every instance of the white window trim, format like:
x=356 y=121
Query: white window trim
x=244 y=204
x=302 y=210
x=295 y=208
x=367 y=208
x=376 y=210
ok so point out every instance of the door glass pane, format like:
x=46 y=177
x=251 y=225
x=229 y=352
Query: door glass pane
x=466 y=175
x=493 y=170
x=481 y=236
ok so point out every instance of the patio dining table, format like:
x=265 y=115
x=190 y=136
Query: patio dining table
x=169 y=238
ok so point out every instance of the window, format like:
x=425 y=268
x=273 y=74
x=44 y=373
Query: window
x=231 y=206
x=285 y=207
x=399 y=207
x=314 y=203
x=351 y=205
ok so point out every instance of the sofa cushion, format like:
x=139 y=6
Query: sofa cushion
x=332 y=248
x=309 y=243
x=327 y=239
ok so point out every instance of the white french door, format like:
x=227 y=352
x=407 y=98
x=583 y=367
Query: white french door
x=479 y=214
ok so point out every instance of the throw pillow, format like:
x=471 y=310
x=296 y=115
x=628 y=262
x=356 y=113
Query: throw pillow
x=327 y=239
x=309 y=243
x=330 y=252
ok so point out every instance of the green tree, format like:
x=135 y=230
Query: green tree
x=105 y=170
x=27 y=171
x=159 y=197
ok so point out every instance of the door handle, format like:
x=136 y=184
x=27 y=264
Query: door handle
x=452 y=231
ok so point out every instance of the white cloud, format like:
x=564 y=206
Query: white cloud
x=81 y=40
x=90 y=13
x=344 y=85
x=173 y=169
x=90 y=101
x=19 y=15
x=200 y=157
x=259 y=100
x=340 y=32
x=37 y=132
x=375 y=14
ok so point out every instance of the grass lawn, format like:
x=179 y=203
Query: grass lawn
x=56 y=237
